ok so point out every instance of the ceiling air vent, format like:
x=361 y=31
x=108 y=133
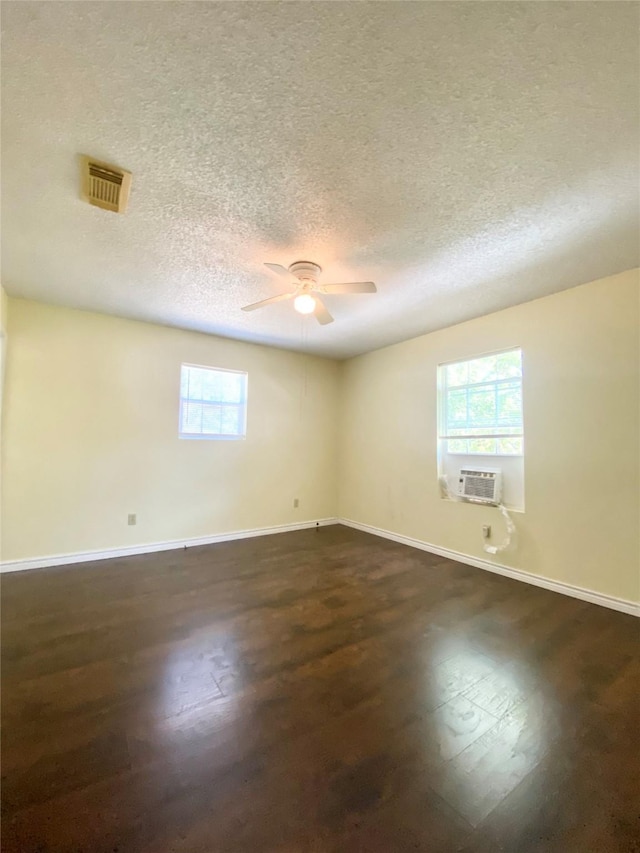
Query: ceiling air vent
x=104 y=185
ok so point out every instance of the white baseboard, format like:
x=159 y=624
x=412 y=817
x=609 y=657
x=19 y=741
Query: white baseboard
x=589 y=595
x=128 y=551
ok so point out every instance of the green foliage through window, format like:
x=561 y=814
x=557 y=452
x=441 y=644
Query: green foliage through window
x=482 y=401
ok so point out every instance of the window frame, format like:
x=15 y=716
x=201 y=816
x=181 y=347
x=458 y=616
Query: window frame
x=444 y=437
x=198 y=436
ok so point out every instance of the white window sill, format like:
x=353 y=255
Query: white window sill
x=487 y=455
x=212 y=437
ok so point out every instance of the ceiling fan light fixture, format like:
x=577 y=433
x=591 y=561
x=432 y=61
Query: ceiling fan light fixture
x=308 y=294
x=304 y=304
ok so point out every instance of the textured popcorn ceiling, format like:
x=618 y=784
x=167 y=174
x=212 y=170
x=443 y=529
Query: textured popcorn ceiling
x=465 y=156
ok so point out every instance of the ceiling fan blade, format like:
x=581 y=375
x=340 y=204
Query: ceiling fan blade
x=321 y=314
x=279 y=298
x=351 y=287
x=280 y=270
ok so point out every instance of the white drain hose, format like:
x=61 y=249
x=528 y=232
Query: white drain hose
x=511 y=539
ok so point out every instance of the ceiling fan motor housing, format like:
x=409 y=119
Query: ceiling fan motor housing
x=306 y=271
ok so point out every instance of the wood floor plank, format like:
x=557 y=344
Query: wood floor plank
x=322 y=691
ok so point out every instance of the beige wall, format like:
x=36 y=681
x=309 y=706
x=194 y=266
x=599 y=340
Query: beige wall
x=4 y=309
x=581 y=413
x=91 y=434
x=4 y=319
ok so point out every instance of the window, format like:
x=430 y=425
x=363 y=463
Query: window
x=213 y=403
x=481 y=405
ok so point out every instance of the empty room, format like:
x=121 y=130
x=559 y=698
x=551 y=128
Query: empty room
x=320 y=407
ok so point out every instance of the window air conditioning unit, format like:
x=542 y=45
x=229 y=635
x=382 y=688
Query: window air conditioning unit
x=481 y=485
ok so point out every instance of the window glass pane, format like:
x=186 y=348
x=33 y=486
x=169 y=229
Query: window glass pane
x=482 y=407
x=456 y=408
x=481 y=431
x=184 y=382
x=211 y=385
x=194 y=383
x=483 y=369
x=509 y=364
x=510 y=446
x=213 y=402
x=191 y=417
x=510 y=405
x=457 y=374
x=482 y=397
x=230 y=420
x=211 y=420
x=232 y=388
x=482 y=445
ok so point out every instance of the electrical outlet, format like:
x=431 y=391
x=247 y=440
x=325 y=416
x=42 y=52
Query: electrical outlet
x=486 y=531
x=296 y=503
x=131 y=519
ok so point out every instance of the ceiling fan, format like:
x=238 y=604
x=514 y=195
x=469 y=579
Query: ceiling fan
x=306 y=294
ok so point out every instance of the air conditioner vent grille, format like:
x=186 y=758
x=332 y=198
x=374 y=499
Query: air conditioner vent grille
x=105 y=186
x=481 y=485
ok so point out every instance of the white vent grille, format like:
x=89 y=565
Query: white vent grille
x=105 y=186
x=481 y=484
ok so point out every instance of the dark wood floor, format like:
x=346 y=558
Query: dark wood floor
x=312 y=692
